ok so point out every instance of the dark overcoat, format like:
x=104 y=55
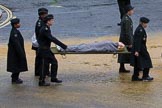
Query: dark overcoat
x=126 y=36
x=16 y=57
x=139 y=45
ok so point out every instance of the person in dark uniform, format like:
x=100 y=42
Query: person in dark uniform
x=42 y=12
x=16 y=57
x=47 y=57
x=126 y=37
x=122 y=4
x=141 y=58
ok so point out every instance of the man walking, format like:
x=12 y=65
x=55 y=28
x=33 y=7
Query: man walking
x=47 y=57
x=141 y=58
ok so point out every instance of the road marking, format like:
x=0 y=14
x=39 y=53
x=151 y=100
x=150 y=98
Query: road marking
x=9 y=16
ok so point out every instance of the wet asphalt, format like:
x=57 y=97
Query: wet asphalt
x=81 y=18
x=81 y=88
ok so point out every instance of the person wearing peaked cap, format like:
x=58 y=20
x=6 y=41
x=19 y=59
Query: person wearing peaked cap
x=48 y=17
x=15 y=21
x=122 y=4
x=42 y=12
x=144 y=20
x=126 y=37
x=16 y=57
x=140 y=56
x=44 y=51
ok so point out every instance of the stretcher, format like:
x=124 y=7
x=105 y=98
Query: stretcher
x=119 y=51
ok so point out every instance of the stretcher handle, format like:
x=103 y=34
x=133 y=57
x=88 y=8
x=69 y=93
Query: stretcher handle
x=115 y=56
x=63 y=54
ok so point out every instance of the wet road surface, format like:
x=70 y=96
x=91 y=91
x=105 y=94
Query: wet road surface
x=89 y=82
x=81 y=18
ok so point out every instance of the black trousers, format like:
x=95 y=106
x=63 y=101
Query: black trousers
x=37 y=63
x=15 y=76
x=122 y=4
x=137 y=70
x=45 y=62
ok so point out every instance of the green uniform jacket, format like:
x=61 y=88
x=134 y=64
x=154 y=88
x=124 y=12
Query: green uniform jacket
x=126 y=36
x=139 y=45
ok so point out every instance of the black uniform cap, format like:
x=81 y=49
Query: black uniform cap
x=144 y=20
x=15 y=21
x=42 y=11
x=128 y=8
x=48 y=17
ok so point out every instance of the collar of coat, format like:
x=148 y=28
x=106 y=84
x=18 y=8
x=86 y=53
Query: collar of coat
x=141 y=28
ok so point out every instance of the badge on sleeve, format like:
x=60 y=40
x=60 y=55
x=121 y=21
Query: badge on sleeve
x=46 y=28
x=141 y=30
x=15 y=35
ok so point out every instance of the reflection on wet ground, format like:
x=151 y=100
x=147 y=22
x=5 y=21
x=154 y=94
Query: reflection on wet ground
x=90 y=81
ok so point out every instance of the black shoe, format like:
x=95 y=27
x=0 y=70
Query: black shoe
x=18 y=81
x=43 y=83
x=124 y=71
x=148 y=78
x=56 y=80
x=136 y=79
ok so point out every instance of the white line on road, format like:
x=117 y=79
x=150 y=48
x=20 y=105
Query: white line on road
x=9 y=16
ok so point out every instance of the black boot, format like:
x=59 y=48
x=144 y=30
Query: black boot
x=136 y=78
x=148 y=78
x=122 y=69
x=18 y=81
x=43 y=83
x=56 y=80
